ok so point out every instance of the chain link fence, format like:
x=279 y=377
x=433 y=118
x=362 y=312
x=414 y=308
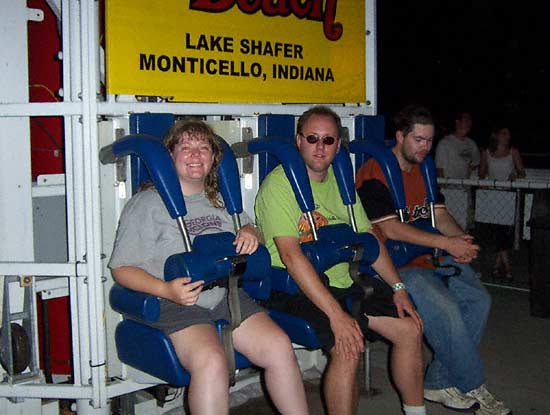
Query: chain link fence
x=497 y=214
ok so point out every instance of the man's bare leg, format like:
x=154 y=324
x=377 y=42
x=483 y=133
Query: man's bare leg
x=340 y=384
x=407 y=366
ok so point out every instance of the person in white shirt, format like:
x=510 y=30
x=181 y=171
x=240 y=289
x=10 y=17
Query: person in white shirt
x=457 y=155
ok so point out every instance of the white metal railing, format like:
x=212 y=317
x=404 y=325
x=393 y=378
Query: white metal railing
x=475 y=202
x=515 y=184
x=496 y=203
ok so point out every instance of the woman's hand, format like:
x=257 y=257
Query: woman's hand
x=247 y=240
x=183 y=291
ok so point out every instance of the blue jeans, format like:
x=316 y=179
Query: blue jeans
x=454 y=321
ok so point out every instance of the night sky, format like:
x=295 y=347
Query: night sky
x=487 y=57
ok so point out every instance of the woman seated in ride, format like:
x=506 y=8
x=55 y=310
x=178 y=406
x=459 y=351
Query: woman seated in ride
x=147 y=236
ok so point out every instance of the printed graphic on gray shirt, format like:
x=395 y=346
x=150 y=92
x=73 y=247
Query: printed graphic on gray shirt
x=204 y=224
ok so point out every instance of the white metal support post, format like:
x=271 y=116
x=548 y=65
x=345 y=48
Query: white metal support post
x=94 y=367
x=73 y=175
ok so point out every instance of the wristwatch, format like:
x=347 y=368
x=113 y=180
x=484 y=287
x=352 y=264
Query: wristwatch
x=398 y=286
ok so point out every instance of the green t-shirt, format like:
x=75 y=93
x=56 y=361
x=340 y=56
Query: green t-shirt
x=278 y=214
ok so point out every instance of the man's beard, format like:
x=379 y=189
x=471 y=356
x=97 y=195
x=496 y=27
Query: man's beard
x=411 y=159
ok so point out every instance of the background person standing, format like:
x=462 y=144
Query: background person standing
x=501 y=161
x=457 y=157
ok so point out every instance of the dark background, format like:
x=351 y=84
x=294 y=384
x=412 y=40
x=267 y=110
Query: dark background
x=486 y=57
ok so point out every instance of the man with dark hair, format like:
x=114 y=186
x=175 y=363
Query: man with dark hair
x=454 y=306
x=388 y=313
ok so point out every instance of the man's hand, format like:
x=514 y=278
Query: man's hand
x=405 y=307
x=461 y=248
x=348 y=338
x=183 y=291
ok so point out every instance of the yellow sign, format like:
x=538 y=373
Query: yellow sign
x=256 y=51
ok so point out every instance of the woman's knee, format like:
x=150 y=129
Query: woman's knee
x=278 y=344
x=265 y=343
x=208 y=361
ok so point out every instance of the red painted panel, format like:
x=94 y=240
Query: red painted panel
x=47 y=144
x=47 y=157
x=59 y=331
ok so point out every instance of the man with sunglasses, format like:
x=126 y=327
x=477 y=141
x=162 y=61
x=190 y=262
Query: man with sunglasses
x=454 y=307
x=388 y=313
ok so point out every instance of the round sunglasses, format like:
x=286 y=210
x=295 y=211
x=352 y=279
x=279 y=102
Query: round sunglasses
x=313 y=139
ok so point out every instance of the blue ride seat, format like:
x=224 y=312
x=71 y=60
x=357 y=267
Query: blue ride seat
x=210 y=258
x=402 y=253
x=332 y=244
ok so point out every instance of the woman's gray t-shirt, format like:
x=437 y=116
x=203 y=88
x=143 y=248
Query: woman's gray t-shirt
x=147 y=235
